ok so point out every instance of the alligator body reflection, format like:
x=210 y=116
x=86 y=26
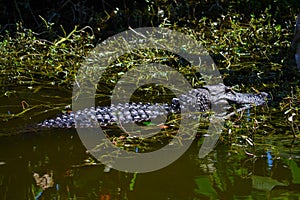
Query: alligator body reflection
x=197 y=100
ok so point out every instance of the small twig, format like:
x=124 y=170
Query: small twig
x=66 y=38
x=238 y=110
x=249 y=154
x=24 y=104
x=140 y=34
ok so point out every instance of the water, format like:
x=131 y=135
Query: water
x=269 y=169
x=224 y=174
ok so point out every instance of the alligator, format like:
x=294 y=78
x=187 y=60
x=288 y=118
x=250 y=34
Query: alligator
x=202 y=98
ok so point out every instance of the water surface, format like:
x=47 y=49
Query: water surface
x=269 y=169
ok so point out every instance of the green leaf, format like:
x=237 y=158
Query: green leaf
x=147 y=123
x=295 y=172
x=265 y=183
x=205 y=187
x=131 y=186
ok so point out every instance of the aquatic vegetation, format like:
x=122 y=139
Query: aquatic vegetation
x=252 y=51
x=251 y=42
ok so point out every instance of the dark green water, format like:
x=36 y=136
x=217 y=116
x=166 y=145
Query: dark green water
x=224 y=174
x=268 y=170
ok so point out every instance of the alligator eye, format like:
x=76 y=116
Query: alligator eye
x=227 y=89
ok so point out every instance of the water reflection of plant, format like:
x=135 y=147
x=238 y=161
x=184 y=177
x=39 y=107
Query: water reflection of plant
x=239 y=175
x=290 y=106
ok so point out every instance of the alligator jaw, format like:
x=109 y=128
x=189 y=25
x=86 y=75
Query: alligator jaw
x=220 y=92
x=222 y=96
x=246 y=101
x=250 y=99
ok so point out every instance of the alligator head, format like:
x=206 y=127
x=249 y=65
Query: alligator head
x=222 y=95
x=218 y=98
